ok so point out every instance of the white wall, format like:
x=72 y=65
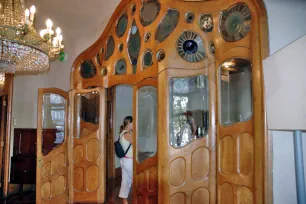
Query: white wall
x=286 y=20
x=123 y=108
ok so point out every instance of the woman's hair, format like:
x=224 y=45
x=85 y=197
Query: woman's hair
x=126 y=121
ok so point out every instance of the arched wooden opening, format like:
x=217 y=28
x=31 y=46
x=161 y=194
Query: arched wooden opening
x=202 y=59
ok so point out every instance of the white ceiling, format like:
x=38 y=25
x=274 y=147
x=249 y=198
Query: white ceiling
x=82 y=21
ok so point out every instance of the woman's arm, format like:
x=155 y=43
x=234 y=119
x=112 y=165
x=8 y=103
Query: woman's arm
x=129 y=137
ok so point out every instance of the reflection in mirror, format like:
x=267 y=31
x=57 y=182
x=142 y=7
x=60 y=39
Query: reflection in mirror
x=235 y=91
x=86 y=115
x=189 y=109
x=53 y=124
x=146 y=123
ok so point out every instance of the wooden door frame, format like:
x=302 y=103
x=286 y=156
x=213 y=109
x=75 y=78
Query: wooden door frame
x=110 y=127
x=8 y=90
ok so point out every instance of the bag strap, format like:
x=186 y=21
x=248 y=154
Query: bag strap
x=120 y=136
x=127 y=149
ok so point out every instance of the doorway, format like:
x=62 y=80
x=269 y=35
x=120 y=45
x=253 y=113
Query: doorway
x=119 y=105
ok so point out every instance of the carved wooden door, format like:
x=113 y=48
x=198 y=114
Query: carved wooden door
x=187 y=149
x=52 y=164
x=87 y=146
x=236 y=176
x=145 y=143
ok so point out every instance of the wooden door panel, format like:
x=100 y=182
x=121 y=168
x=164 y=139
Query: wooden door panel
x=87 y=146
x=236 y=132
x=52 y=168
x=145 y=173
x=187 y=170
x=236 y=162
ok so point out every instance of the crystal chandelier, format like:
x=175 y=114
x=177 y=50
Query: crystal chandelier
x=22 y=49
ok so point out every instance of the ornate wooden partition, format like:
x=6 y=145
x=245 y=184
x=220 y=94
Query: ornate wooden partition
x=205 y=58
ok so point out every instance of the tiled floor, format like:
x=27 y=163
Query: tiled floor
x=111 y=195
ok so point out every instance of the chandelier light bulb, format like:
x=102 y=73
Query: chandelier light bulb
x=27 y=15
x=58 y=31
x=60 y=39
x=49 y=24
x=33 y=9
x=42 y=33
x=54 y=42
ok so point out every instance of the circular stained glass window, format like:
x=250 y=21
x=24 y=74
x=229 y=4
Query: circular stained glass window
x=149 y=11
x=120 y=47
x=206 y=22
x=190 y=47
x=189 y=17
x=98 y=60
x=235 y=23
x=212 y=48
x=120 y=67
x=160 y=55
x=147 y=59
x=122 y=25
x=88 y=69
x=133 y=9
x=110 y=47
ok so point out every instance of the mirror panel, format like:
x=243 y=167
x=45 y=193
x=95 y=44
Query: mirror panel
x=53 y=124
x=87 y=107
x=235 y=81
x=146 y=123
x=189 y=109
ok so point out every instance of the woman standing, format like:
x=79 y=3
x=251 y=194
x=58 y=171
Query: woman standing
x=126 y=140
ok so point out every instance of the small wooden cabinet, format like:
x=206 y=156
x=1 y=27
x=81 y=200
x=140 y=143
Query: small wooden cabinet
x=23 y=169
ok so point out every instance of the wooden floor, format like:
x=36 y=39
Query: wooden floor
x=111 y=194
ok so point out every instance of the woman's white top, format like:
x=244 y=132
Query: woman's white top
x=125 y=144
